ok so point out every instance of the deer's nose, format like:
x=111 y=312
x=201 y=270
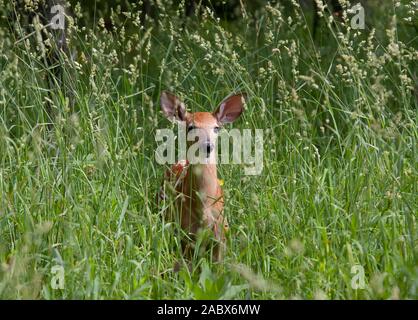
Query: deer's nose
x=209 y=147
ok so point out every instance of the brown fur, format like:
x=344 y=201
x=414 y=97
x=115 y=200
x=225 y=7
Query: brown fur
x=199 y=196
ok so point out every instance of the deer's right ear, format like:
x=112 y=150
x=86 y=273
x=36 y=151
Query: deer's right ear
x=231 y=108
x=172 y=107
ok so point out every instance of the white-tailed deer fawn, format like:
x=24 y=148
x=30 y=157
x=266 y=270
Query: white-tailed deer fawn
x=199 y=198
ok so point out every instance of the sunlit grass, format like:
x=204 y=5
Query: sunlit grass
x=338 y=188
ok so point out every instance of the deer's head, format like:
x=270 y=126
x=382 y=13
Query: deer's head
x=203 y=126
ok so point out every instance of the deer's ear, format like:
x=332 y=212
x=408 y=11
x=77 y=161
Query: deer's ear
x=230 y=109
x=172 y=107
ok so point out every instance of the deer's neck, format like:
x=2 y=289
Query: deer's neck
x=204 y=180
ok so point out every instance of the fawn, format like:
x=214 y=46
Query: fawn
x=198 y=193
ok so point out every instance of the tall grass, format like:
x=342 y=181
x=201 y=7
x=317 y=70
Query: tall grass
x=78 y=175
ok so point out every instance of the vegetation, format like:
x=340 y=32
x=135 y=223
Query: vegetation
x=338 y=189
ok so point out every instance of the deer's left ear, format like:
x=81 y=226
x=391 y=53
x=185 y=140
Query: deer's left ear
x=230 y=109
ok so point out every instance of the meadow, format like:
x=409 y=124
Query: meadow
x=337 y=196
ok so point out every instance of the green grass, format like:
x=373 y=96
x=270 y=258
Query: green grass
x=338 y=189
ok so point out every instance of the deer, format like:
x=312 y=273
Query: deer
x=198 y=193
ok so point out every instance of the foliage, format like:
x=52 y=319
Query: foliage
x=339 y=184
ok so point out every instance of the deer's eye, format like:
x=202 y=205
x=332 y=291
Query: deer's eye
x=190 y=128
x=216 y=129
